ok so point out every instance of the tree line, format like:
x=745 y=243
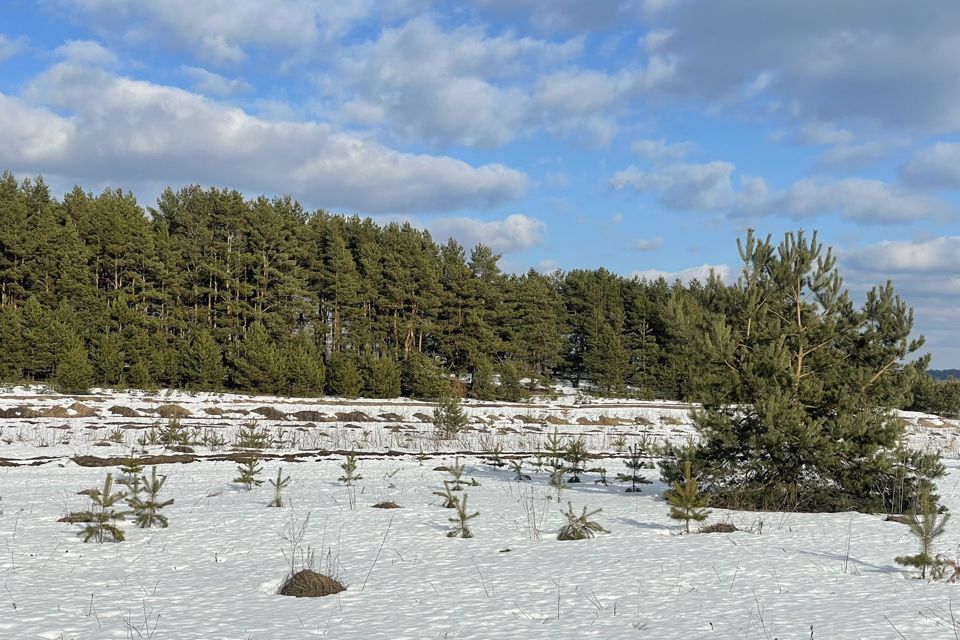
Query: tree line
x=213 y=290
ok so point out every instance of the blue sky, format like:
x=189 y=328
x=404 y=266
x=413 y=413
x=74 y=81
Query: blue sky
x=640 y=135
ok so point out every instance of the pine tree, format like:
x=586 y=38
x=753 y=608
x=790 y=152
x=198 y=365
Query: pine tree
x=685 y=500
x=381 y=377
x=449 y=418
x=576 y=456
x=349 y=467
x=926 y=524
x=279 y=485
x=306 y=375
x=103 y=514
x=146 y=509
x=460 y=520
x=343 y=375
x=796 y=383
x=248 y=468
x=634 y=463
x=580 y=527
x=202 y=362
x=74 y=373
x=258 y=364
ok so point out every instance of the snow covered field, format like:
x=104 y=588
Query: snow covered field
x=214 y=572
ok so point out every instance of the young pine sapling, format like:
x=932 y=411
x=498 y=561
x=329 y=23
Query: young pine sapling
x=926 y=524
x=576 y=456
x=146 y=508
x=279 y=485
x=517 y=467
x=685 y=500
x=580 y=527
x=460 y=520
x=634 y=463
x=450 y=501
x=248 y=469
x=103 y=515
x=349 y=467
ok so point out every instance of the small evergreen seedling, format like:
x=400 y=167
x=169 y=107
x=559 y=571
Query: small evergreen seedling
x=460 y=529
x=251 y=436
x=685 y=500
x=634 y=463
x=248 y=469
x=576 y=456
x=450 y=501
x=926 y=525
x=448 y=417
x=580 y=527
x=103 y=514
x=456 y=470
x=132 y=477
x=279 y=485
x=146 y=510
x=350 y=470
x=517 y=467
x=496 y=455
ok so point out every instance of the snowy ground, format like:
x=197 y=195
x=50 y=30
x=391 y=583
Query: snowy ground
x=214 y=571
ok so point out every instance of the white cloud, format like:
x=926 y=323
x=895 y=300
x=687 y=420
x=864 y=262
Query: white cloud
x=131 y=130
x=708 y=187
x=926 y=274
x=821 y=60
x=214 y=84
x=221 y=31
x=515 y=233
x=701 y=273
x=87 y=52
x=646 y=244
x=10 y=47
x=574 y=15
x=660 y=150
x=935 y=166
x=469 y=94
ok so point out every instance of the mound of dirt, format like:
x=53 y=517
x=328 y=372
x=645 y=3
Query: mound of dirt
x=270 y=413
x=525 y=419
x=12 y=412
x=585 y=421
x=56 y=412
x=607 y=421
x=81 y=410
x=386 y=505
x=76 y=517
x=214 y=411
x=126 y=412
x=422 y=417
x=310 y=584
x=353 y=416
x=555 y=420
x=94 y=461
x=391 y=417
x=643 y=421
x=171 y=411
x=310 y=416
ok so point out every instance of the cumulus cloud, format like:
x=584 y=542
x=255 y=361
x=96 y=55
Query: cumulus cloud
x=646 y=244
x=660 y=150
x=214 y=84
x=822 y=60
x=926 y=274
x=514 y=233
x=935 y=166
x=221 y=31
x=574 y=15
x=709 y=187
x=10 y=47
x=87 y=52
x=133 y=130
x=701 y=273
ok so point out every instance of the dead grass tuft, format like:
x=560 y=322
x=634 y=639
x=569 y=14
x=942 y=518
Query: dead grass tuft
x=310 y=584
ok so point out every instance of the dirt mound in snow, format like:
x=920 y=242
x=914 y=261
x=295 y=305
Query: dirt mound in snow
x=171 y=411
x=555 y=420
x=81 y=410
x=422 y=417
x=56 y=412
x=391 y=417
x=126 y=412
x=386 y=505
x=94 y=461
x=353 y=416
x=310 y=584
x=214 y=411
x=270 y=413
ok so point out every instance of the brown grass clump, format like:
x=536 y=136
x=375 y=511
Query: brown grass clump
x=310 y=584
x=353 y=416
x=75 y=517
x=126 y=412
x=719 y=527
x=386 y=505
x=270 y=413
x=172 y=411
